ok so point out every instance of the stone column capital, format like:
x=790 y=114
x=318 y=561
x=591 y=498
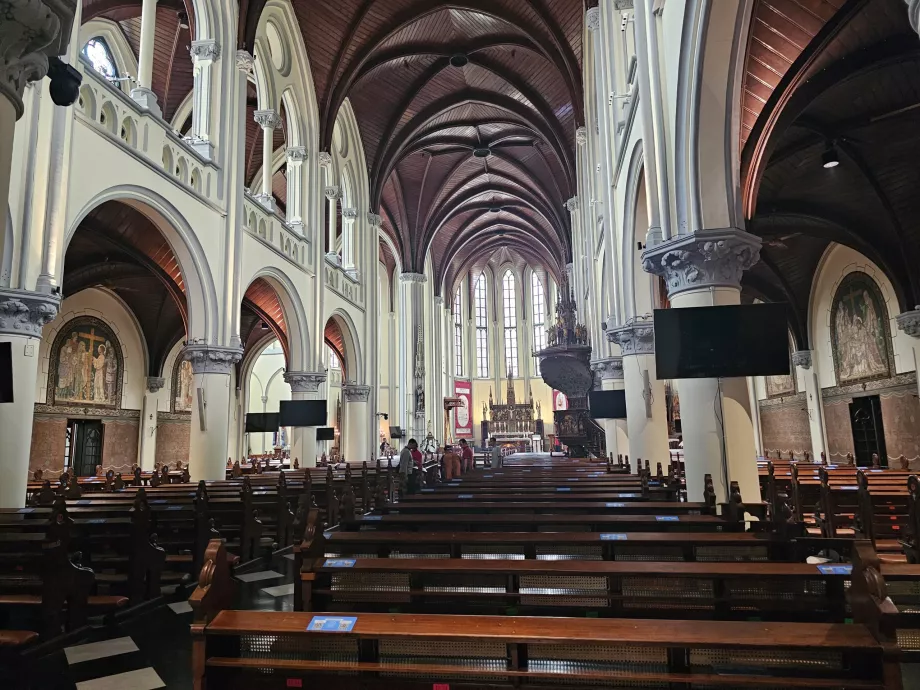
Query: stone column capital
x=413 y=278
x=25 y=313
x=304 y=381
x=572 y=204
x=325 y=159
x=593 y=19
x=354 y=392
x=333 y=192
x=267 y=119
x=909 y=321
x=610 y=368
x=636 y=338
x=374 y=220
x=581 y=136
x=203 y=51
x=296 y=154
x=210 y=359
x=802 y=358
x=349 y=215
x=438 y=300
x=155 y=384
x=244 y=61
x=708 y=258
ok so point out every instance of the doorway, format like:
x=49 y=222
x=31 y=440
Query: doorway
x=84 y=446
x=868 y=431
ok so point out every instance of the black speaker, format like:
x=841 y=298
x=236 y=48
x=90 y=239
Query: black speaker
x=6 y=372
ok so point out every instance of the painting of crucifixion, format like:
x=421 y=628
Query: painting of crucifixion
x=87 y=364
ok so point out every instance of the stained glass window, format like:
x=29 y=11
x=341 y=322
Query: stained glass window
x=100 y=57
x=333 y=358
x=482 y=328
x=538 y=302
x=511 y=342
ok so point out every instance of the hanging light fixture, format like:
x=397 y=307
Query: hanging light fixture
x=830 y=158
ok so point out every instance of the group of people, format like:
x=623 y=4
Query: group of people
x=456 y=461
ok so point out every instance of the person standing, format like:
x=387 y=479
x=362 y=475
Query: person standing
x=495 y=460
x=405 y=457
x=466 y=457
x=451 y=463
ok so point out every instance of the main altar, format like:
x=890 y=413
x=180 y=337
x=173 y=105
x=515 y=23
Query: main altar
x=512 y=423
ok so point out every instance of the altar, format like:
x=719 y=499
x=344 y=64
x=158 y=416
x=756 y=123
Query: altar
x=513 y=424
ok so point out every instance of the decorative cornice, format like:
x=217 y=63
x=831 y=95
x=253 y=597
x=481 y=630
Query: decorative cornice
x=413 y=278
x=325 y=159
x=374 y=220
x=608 y=369
x=637 y=338
x=244 y=61
x=25 y=313
x=333 y=192
x=205 y=50
x=623 y=4
x=296 y=154
x=209 y=359
x=593 y=19
x=354 y=392
x=708 y=258
x=802 y=358
x=267 y=119
x=155 y=383
x=909 y=321
x=304 y=381
x=581 y=136
x=572 y=204
x=349 y=215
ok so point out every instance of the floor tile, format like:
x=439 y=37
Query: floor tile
x=261 y=575
x=142 y=679
x=99 y=650
x=181 y=607
x=280 y=590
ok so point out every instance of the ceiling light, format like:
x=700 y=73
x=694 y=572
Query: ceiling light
x=495 y=209
x=264 y=326
x=829 y=158
x=183 y=20
x=459 y=60
x=482 y=152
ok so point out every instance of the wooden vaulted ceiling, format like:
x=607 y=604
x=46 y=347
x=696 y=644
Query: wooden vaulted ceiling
x=854 y=91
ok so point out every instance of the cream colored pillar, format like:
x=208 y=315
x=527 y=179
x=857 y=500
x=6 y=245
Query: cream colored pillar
x=204 y=54
x=142 y=93
x=610 y=373
x=296 y=155
x=349 y=217
x=704 y=270
x=269 y=121
x=210 y=438
x=147 y=441
x=357 y=446
x=413 y=287
x=304 y=385
x=333 y=194
x=802 y=361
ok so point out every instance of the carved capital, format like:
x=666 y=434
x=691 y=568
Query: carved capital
x=349 y=215
x=267 y=119
x=413 y=278
x=333 y=192
x=374 y=220
x=304 y=381
x=155 y=384
x=296 y=154
x=623 y=4
x=608 y=369
x=354 y=392
x=581 y=136
x=637 y=338
x=438 y=300
x=325 y=159
x=708 y=258
x=244 y=62
x=909 y=321
x=25 y=313
x=572 y=204
x=205 y=50
x=209 y=359
x=593 y=19
x=802 y=358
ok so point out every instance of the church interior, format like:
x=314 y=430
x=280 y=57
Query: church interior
x=424 y=344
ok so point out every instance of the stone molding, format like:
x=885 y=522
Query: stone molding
x=304 y=381
x=796 y=400
x=909 y=321
x=593 y=19
x=354 y=392
x=208 y=49
x=155 y=383
x=333 y=192
x=244 y=61
x=608 y=369
x=906 y=381
x=267 y=119
x=637 y=338
x=708 y=258
x=349 y=215
x=210 y=359
x=581 y=136
x=25 y=313
x=296 y=154
x=374 y=220
x=413 y=278
x=572 y=204
x=325 y=159
x=802 y=358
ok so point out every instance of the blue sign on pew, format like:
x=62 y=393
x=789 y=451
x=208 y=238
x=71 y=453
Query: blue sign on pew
x=615 y=505
x=613 y=536
x=159 y=500
x=174 y=508
x=84 y=502
x=581 y=470
x=487 y=476
x=339 y=563
x=373 y=517
x=332 y=623
x=563 y=488
x=573 y=479
x=464 y=495
x=667 y=518
x=27 y=510
x=844 y=569
x=427 y=491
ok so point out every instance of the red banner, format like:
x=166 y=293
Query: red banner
x=463 y=415
x=560 y=401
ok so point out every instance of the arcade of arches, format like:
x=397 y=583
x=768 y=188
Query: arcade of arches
x=309 y=200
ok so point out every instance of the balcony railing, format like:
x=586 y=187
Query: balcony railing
x=270 y=229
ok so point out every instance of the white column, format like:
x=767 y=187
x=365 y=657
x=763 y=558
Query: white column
x=296 y=155
x=333 y=194
x=23 y=314
x=610 y=373
x=646 y=411
x=349 y=216
x=357 y=445
x=147 y=441
x=142 y=93
x=204 y=55
x=269 y=121
x=210 y=444
x=305 y=385
x=704 y=270
x=413 y=287
x=802 y=361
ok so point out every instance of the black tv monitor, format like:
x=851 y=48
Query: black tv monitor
x=325 y=433
x=607 y=404
x=303 y=413
x=396 y=432
x=6 y=372
x=722 y=342
x=261 y=422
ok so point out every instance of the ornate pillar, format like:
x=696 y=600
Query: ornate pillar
x=357 y=446
x=296 y=155
x=333 y=194
x=147 y=443
x=646 y=412
x=142 y=93
x=802 y=361
x=269 y=121
x=704 y=270
x=204 y=55
x=210 y=441
x=609 y=374
x=304 y=386
x=413 y=288
x=909 y=321
x=23 y=314
x=349 y=216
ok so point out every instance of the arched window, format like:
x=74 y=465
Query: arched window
x=458 y=336
x=100 y=57
x=538 y=304
x=482 y=328
x=511 y=343
x=333 y=358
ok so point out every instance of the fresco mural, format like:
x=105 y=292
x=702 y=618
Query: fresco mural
x=87 y=364
x=859 y=330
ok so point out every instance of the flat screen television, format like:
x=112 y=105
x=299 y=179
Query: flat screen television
x=325 y=433
x=6 y=372
x=396 y=432
x=607 y=404
x=303 y=413
x=261 y=422
x=722 y=342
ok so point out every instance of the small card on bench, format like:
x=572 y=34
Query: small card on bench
x=613 y=536
x=615 y=505
x=840 y=569
x=339 y=563
x=563 y=488
x=332 y=623
x=464 y=495
x=667 y=518
x=373 y=517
